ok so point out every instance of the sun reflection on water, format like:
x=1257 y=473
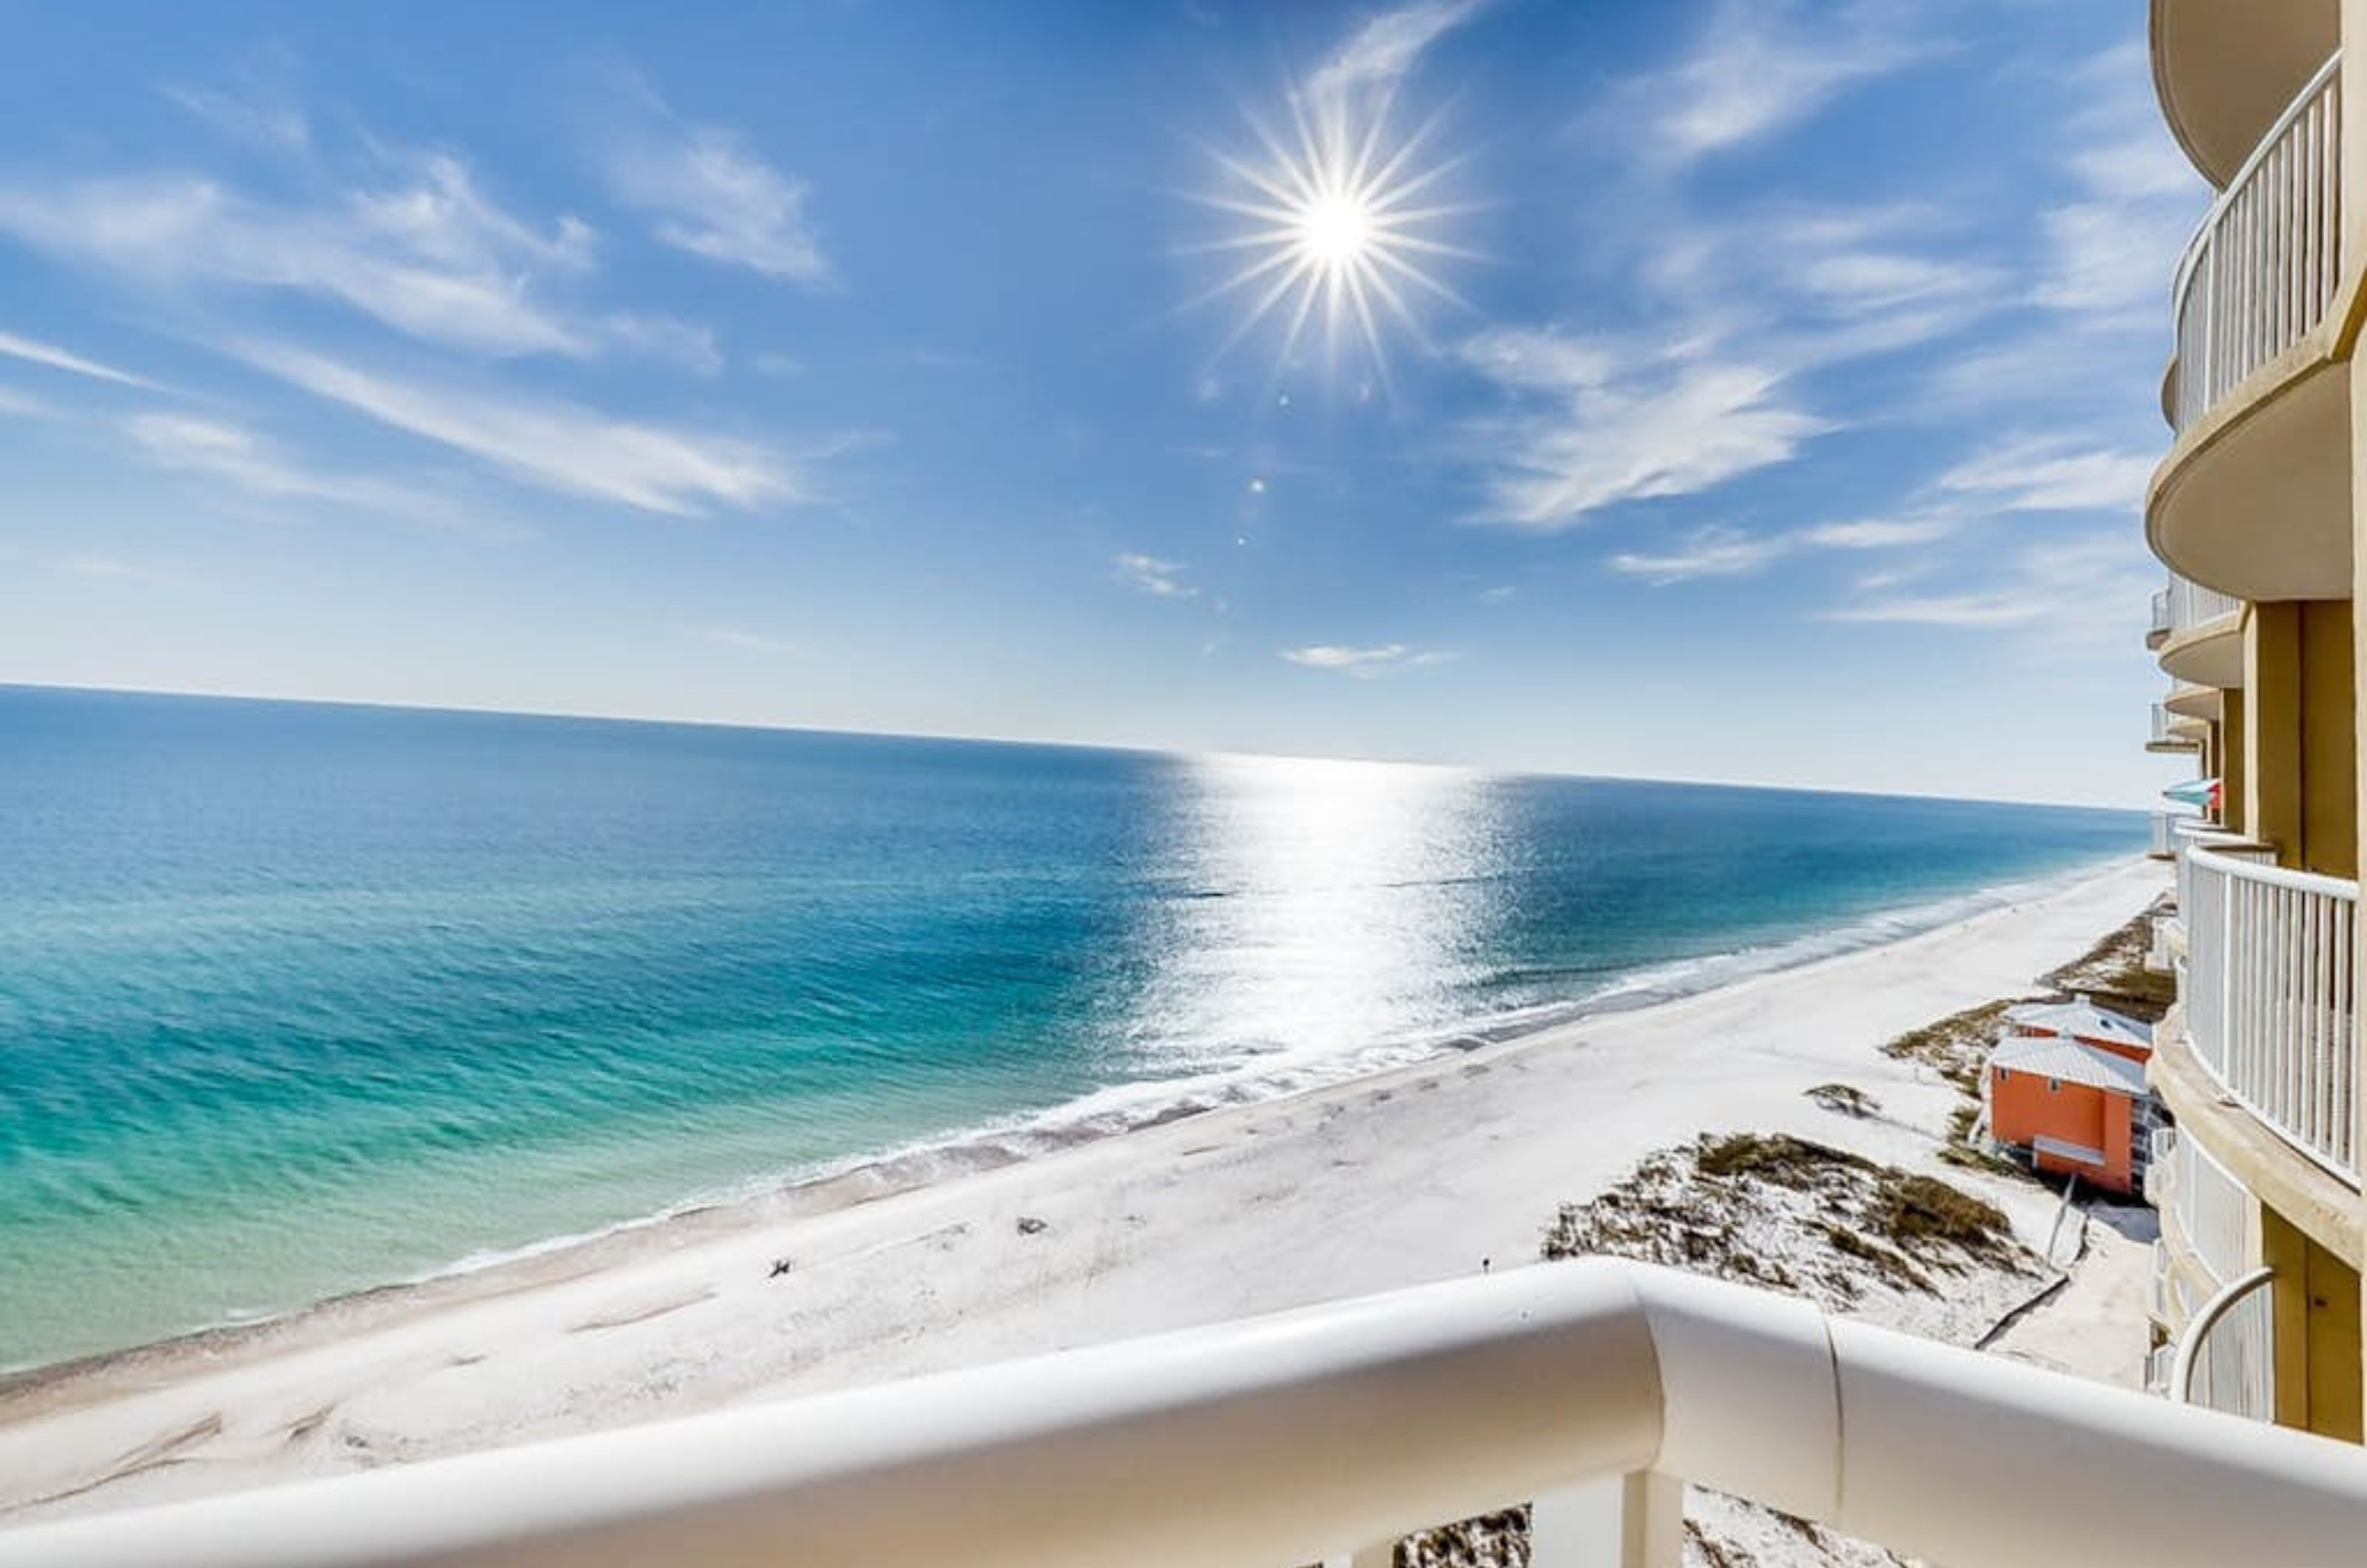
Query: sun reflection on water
x=1322 y=907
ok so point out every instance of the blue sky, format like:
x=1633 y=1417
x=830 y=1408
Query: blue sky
x=1777 y=407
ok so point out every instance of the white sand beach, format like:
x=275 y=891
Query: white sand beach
x=1414 y=1175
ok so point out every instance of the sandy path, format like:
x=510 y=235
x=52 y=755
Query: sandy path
x=1409 y=1176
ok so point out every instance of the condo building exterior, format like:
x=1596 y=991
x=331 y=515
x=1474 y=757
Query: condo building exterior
x=2254 y=510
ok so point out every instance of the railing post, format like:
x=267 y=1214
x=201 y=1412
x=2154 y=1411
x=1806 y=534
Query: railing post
x=1625 y=1522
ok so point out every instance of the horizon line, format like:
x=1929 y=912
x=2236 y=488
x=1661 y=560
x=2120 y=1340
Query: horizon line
x=1131 y=748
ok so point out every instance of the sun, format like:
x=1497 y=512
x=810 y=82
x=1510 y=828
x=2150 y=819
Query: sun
x=1340 y=229
x=1335 y=231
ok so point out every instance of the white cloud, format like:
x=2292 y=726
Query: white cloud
x=2052 y=474
x=2052 y=588
x=1363 y=663
x=252 y=122
x=1764 y=66
x=427 y=254
x=1877 y=533
x=1597 y=430
x=709 y=194
x=1387 y=46
x=1965 y=610
x=56 y=358
x=1707 y=552
x=2110 y=253
x=1720 y=551
x=555 y=445
x=231 y=453
x=748 y=642
x=1149 y=574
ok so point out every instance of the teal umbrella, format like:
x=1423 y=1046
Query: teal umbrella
x=2197 y=793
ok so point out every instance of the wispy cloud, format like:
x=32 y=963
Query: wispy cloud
x=231 y=453
x=1717 y=550
x=268 y=127
x=1764 y=66
x=555 y=446
x=2137 y=200
x=2054 y=588
x=747 y=642
x=1149 y=574
x=1365 y=663
x=2051 y=473
x=710 y=194
x=1591 y=429
x=55 y=358
x=427 y=252
x=1709 y=552
x=1385 y=47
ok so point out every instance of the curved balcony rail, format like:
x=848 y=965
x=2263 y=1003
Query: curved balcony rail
x=2167 y=736
x=2261 y=269
x=2233 y=1365
x=2157 y=620
x=1592 y=1389
x=2189 y=606
x=2211 y=1210
x=2270 y=997
x=2235 y=1371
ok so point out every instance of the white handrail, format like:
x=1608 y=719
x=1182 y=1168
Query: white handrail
x=2190 y=607
x=2211 y=1210
x=2250 y=1370
x=2270 y=997
x=1319 y=1432
x=2262 y=266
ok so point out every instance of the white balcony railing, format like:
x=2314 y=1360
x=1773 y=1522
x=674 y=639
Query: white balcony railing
x=2270 y=997
x=2191 y=606
x=2210 y=1210
x=2161 y=1151
x=2234 y=1371
x=2158 y=622
x=1592 y=1389
x=2158 y=1362
x=2162 y=732
x=2261 y=271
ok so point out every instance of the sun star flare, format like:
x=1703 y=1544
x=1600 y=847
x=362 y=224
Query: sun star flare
x=1340 y=229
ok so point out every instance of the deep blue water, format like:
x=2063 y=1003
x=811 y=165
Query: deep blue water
x=296 y=1000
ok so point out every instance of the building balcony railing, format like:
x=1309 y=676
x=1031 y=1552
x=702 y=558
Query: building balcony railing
x=2270 y=997
x=1592 y=1390
x=2209 y=1209
x=2171 y=732
x=2192 y=607
x=2260 y=273
x=2233 y=1368
x=2157 y=622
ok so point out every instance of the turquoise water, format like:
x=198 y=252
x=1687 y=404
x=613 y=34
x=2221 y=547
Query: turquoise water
x=298 y=999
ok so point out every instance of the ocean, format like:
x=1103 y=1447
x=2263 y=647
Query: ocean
x=300 y=999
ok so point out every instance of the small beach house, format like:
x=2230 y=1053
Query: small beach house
x=2066 y=1090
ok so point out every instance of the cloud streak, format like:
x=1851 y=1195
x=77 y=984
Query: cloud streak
x=1591 y=429
x=1366 y=662
x=51 y=357
x=709 y=194
x=1764 y=66
x=551 y=445
x=1149 y=574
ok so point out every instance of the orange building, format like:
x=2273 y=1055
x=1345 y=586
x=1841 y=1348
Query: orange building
x=2067 y=1088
